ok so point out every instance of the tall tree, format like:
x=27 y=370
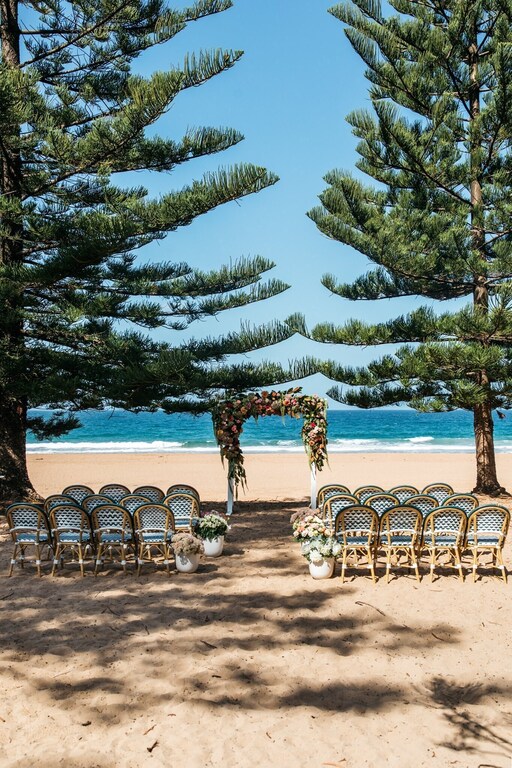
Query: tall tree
x=73 y=114
x=438 y=223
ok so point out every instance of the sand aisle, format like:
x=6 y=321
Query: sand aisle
x=249 y=662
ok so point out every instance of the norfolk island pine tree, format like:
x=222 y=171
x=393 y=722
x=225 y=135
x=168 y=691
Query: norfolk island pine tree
x=438 y=222
x=74 y=292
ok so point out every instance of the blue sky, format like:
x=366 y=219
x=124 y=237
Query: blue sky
x=289 y=96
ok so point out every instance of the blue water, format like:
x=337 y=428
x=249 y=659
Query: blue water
x=348 y=431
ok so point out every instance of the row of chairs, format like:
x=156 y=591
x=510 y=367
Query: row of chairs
x=402 y=532
x=96 y=524
x=439 y=491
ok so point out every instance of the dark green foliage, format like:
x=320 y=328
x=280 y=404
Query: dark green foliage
x=77 y=301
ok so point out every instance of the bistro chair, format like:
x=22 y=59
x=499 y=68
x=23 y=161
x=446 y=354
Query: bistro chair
x=364 y=491
x=425 y=504
x=357 y=530
x=151 y=492
x=71 y=529
x=185 y=509
x=78 y=492
x=465 y=501
x=154 y=526
x=439 y=491
x=329 y=490
x=133 y=501
x=58 y=500
x=486 y=532
x=183 y=488
x=96 y=500
x=28 y=526
x=443 y=533
x=333 y=504
x=403 y=493
x=113 y=531
x=114 y=492
x=400 y=534
x=381 y=502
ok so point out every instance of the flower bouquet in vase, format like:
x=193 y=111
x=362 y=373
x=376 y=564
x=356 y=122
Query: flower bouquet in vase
x=212 y=527
x=187 y=547
x=317 y=544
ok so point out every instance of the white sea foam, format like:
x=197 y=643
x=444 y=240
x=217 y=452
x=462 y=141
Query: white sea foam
x=420 y=439
x=157 y=446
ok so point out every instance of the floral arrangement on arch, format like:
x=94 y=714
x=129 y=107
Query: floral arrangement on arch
x=316 y=539
x=229 y=417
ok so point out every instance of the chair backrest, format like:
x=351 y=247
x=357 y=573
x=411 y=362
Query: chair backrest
x=356 y=521
x=182 y=488
x=403 y=492
x=333 y=504
x=381 y=502
x=58 y=500
x=403 y=521
x=91 y=502
x=66 y=519
x=26 y=517
x=439 y=491
x=465 y=501
x=133 y=501
x=184 y=507
x=491 y=519
x=114 y=491
x=364 y=491
x=152 y=518
x=151 y=492
x=326 y=491
x=424 y=503
x=445 y=522
x=78 y=492
x=111 y=518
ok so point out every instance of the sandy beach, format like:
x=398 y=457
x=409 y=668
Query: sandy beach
x=249 y=661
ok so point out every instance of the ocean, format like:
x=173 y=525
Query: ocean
x=349 y=431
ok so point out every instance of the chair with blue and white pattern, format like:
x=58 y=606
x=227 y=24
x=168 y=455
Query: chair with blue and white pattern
x=400 y=535
x=29 y=527
x=425 y=504
x=185 y=509
x=71 y=530
x=486 y=533
x=78 y=492
x=154 y=494
x=114 y=491
x=113 y=532
x=381 y=502
x=443 y=534
x=326 y=491
x=439 y=491
x=357 y=530
x=403 y=493
x=154 y=526
x=332 y=505
x=364 y=491
x=465 y=501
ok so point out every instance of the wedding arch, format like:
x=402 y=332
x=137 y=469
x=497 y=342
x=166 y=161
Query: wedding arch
x=230 y=415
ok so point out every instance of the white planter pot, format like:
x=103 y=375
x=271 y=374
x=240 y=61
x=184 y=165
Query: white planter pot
x=214 y=547
x=322 y=570
x=187 y=563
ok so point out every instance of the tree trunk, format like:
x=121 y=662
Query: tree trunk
x=486 y=477
x=14 y=481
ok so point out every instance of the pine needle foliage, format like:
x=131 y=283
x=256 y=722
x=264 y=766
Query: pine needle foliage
x=78 y=301
x=436 y=224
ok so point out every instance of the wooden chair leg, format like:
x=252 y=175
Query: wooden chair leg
x=432 y=564
x=99 y=554
x=13 y=558
x=388 y=564
x=371 y=563
x=414 y=561
x=56 y=558
x=501 y=566
x=458 y=562
x=343 y=565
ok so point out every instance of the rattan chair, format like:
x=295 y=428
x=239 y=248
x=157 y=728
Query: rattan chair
x=113 y=532
x=326 y=491
x=133 y=501
x=403 y=493
x=71 y=530
x=465 y=501
x=439 y=491
x=381 y=502
x=183 y=488
x=185 y=509
x=425 y=504
x=29 y=527
x=333 y=504
x=114 y=491
x=96 y=500
x=357 y=530
x=58 y=500
x=443 y=533
x=364 y=491
x=151 y=492
x=154 y=526
x=486 y=532
x=78 y=492
x=400 y=535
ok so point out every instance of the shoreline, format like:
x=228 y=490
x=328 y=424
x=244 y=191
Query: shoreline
x=270 y=476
